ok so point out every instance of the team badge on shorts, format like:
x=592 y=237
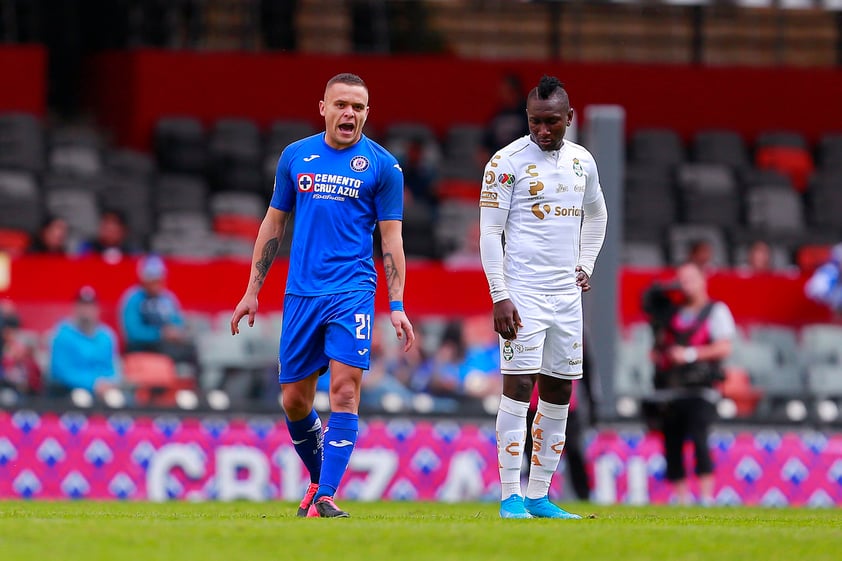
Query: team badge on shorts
x=359 y=163
x=508 y=351
x=577 y=168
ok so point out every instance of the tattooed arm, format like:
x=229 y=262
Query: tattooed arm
x=394 y=264
x=265 y=248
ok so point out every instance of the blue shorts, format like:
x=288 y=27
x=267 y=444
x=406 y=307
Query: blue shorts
x=317 y=329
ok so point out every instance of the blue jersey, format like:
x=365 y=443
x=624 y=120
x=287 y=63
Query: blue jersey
x=338 y=197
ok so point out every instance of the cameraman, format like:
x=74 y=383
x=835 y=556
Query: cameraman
x=689 y=348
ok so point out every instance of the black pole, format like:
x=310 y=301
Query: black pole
x=556 y=12
x=839 y=38
x=697 y=47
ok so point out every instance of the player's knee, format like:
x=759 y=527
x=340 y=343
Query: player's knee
x=555 y=390
x=518 y=388
x=296 y=405
x=344 y=396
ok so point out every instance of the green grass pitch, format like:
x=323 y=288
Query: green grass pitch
x=123 y=531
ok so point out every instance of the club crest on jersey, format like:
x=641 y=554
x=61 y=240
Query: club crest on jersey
x=577 y=168
x=359 y=163
x=306 y=182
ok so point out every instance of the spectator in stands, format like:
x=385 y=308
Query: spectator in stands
x=689 y=349
x=825 y=286
x=52 y=238
x=701 y=255
x=84 y=350
x=509 y=122
x=111 y=241
x=151 y=316
x=759 y=258
x=18 y=368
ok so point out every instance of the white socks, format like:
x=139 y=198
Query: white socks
x=511 y=436
x=548 y=431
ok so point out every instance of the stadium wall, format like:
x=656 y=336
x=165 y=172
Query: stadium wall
x=23 y=73
x=130 y=91
x=215 y=286
x=120 y=457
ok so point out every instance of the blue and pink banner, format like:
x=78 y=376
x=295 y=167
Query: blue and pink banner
x=73 y=456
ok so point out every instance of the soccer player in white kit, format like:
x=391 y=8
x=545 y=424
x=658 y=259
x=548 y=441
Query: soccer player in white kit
x=543 y=193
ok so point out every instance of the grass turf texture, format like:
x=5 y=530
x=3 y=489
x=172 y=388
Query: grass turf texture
x=92 y=531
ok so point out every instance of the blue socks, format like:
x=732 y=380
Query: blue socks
x=340 y=438
x=307 y=438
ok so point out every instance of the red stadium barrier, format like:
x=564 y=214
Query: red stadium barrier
x=214 y=286
x=132 y=90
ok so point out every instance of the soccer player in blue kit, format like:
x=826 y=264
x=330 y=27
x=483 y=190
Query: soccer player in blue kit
x=340 y=185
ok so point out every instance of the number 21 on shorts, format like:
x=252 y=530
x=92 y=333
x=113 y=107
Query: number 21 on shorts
x=363 y=326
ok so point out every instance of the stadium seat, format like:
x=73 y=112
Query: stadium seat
x=466 y=190
x=649 y=202
x=131 y=195
x=709 y=194
x=235 y=153
x=656 y=146
x=777 y=383
x=822 y=344
x=21 y=142
x=78 y=207
x=830 y=152
x=825 y=200
x=180 y=145
x=20 y=201
x=643 y=254
x=795 y=163
x=720 y=147
x=236 y=203
x=753 y=177
x=634 y=370
x=75 y=150
x=774 y=209
x=181 y=193
x=410 y=131
x=738 y=388
x=780 y=138
x=784 y=341
x=131 y=163
x=824 y=381
x=153 y=378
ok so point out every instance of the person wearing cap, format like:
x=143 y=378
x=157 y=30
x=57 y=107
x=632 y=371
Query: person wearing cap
x=83 y=353
x=151 y=317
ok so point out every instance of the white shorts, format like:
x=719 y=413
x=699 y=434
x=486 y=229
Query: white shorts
x=550 y=341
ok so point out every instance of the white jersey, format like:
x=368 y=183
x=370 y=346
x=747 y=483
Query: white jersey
x=544 y=193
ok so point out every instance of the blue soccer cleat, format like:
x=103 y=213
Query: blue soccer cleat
x=513 y=508
x=543 y=508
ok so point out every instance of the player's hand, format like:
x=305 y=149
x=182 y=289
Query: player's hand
x=246 y=307
x=506 y=319
x=403 y=329
x=583 y=281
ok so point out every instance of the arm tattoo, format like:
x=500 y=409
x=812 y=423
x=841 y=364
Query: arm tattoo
x=393 y=278
x=267 y=256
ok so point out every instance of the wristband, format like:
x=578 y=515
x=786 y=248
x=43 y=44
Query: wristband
x=396 y=306
x=690 y=355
